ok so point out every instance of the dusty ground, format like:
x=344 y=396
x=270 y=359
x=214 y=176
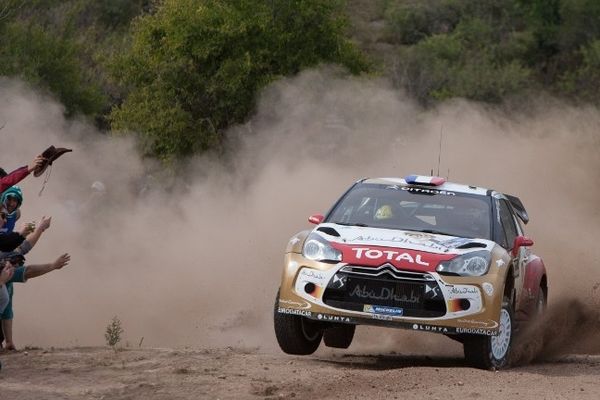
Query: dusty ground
x=101 y=373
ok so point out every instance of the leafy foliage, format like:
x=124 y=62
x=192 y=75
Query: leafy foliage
x=49 y=62
x=195 y=67
x=488 y=49
x=113 y=333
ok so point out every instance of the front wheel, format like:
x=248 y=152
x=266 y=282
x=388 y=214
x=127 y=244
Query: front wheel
x=492 y=352
x=339 y=336
x=296 y=334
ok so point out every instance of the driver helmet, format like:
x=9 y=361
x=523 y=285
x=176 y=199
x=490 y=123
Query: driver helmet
x=384 y=212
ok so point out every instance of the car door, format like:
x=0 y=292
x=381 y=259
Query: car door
x=511 y=229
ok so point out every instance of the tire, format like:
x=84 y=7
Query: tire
x=339 y=336
x=540 y=303
x=296 y=334
x=492 y=352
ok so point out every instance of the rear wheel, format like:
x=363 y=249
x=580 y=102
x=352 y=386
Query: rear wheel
x=339 y=336
x=296 y=334
x=492 y=352
x=540 y=302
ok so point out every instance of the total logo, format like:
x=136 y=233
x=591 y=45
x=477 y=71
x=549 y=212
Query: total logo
x=390 y=255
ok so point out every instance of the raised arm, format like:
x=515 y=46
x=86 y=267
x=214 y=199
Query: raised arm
x=33 y=271
x=34 y=236
x=20 y=173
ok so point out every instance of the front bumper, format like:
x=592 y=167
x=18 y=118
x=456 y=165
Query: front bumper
x=386 y=296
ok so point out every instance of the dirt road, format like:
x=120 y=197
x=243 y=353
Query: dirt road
x=101 y=373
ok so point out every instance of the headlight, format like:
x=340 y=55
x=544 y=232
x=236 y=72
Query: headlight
x=476 y=263
x=318 y=249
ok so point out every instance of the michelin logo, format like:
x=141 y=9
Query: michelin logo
x=383 y=310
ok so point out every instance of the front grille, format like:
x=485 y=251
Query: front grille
x=417 y=294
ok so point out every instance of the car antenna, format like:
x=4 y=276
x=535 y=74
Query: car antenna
x=440 y=150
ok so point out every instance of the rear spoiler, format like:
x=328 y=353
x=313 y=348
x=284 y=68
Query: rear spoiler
x=518 y=207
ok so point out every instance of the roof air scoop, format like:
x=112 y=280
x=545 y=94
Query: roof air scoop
x=424 y=180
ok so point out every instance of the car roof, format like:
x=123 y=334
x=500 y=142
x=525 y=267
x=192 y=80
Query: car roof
x=446 y=186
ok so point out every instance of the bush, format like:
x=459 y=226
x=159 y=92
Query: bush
x=49 y=62
x=195 y=68
x=113 y=332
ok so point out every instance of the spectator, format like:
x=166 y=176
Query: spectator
x=20 y=173
x=11 y=200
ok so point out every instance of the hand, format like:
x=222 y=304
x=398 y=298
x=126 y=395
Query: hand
x=45 y=223
x=61 y=261
x=36 y=163
x=27 y=228
x=7 y=272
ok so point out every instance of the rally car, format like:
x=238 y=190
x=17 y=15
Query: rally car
x=418 y=253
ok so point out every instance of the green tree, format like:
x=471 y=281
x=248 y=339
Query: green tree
x=49 y=62
x=195 y=67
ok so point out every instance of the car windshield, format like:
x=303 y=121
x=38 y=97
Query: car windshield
x=424 y=210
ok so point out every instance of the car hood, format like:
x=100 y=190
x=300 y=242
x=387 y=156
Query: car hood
x=403 y=249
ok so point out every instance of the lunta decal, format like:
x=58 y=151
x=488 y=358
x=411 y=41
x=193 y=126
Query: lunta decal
x=333 y=318
x=430 y=328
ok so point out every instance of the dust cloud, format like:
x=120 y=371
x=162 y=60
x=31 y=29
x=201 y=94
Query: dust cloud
x=199 y=265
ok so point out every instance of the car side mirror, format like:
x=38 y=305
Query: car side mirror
x=316 y=219
x=521 y=241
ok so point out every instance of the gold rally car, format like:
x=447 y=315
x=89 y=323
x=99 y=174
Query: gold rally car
x=418 y=253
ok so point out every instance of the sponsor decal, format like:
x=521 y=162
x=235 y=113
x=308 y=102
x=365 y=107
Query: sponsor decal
x=383 y=310
x=294 y=240
x=390 y=255
x=432 y=291
x=382 y=294
x=333 y=318
x=452 y=243
x=427 y=191
x=488 y=288
x=489 y=324
x=500 y=263
x=339 y=281
x=381 y=317
x=296 y=304
x=464 y=290
x=430 y=328
x=477 y=331
x=311 y=273
x=292 y=311
x=408 y=239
